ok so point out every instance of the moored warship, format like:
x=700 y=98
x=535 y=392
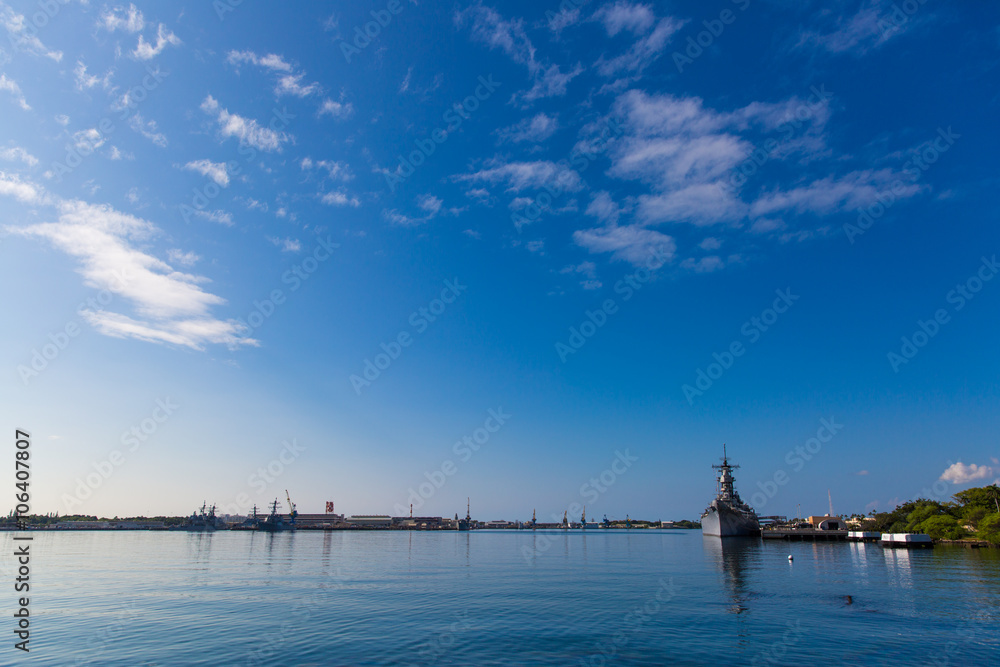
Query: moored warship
x=728 y=515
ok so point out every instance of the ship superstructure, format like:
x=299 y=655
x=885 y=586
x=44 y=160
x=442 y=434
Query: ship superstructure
x=728 y=515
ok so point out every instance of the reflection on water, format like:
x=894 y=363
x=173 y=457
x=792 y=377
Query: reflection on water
x=735 y=557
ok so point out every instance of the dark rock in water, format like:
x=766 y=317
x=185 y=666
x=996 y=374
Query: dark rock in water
x=848 y=599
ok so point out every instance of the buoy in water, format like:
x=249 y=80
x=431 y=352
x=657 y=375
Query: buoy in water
x=790 y=558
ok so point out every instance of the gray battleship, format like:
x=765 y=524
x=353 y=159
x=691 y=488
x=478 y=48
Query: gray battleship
x=728 y=515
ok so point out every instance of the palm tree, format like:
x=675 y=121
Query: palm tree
x=993 y=492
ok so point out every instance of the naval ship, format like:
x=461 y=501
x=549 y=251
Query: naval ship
x=728 y=515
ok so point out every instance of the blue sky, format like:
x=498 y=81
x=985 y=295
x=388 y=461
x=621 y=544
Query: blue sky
x=539 y=255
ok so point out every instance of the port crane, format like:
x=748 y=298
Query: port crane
x=291 y=507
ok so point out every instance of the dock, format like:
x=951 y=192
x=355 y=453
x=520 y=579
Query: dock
x=804 y=535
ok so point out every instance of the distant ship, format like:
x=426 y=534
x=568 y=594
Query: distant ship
x=275 y=523
x=728 y=515
x=204 y=522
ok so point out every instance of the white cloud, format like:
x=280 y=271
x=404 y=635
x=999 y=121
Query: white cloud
x=16 y=153
x=620 y=16
x=12 y=186
x=588 y=270
x=429 y=204
x=562 y=20
x=11 y=87
x=119 y=18
x=830 y=194
x=537 y=128
x=178 y=256
x=633 y=243
x=959 y=473
x=286 y=244
x=872 y=26
x=489 y=27
x=62 y=119
x=520 y=176
x=85 y=81
x=704 y=264
x=217 y=216
x=172 y=305
x=643 y=52
x=147 y=128
x=551 y=82
x=145 y=51
x=214 y=170
x=336 y=109
x=699 y=204
x=245 y=130
x=604 y=208
x=271 y=61
x=21 y=37
x=339 y=199
x=289 y=82
x=336 y=170
x=87 y=141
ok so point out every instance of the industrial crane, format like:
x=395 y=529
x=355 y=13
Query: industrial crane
x=291 y=507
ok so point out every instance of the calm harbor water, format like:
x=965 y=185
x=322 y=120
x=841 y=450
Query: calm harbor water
x=504 y=597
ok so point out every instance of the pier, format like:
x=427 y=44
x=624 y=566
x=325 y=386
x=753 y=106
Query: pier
x=804 y=535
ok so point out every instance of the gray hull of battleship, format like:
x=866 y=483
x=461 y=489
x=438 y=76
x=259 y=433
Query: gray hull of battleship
x=721 y=521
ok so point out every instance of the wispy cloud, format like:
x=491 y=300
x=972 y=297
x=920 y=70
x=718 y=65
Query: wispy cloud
x=338 y=198
x=217 y=171
x=286 y=244
x=518 y=176
x=11 y=87
x=633 y=243
x=289 y=82
x=539 y=127
x=146 y=51
x=11 y=185
x=169 y=306
x=246 y=130
x=335 y=170
x=120 y=18
x=16 y=153
x=148 y=129
x=86 y=81
x=22 y=38
x=488 y=26
x=336 y=109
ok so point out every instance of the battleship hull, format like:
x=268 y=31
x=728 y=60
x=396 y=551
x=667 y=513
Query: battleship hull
x=721 y=521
